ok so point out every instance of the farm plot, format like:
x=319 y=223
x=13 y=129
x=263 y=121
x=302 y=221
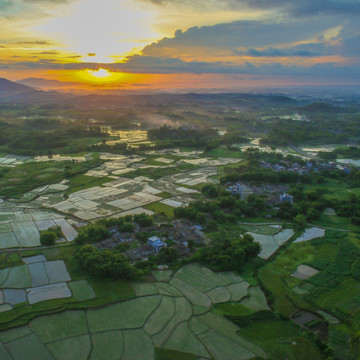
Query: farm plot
x=26 y=233
x=112 y=198
x=212 y=162
x=262 y=229
x=310 y=234
x=8 y=240
x=132 y=329
x=81 y=290
x=19 y=229
x=304 y=272
x=40 y=280
x=48 y=292
x=75 y=348
x=172 y=203
x=107 y=345
x=256 y=300
x=270 y=243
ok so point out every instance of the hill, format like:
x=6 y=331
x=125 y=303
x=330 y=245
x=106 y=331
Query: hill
x=9 y=88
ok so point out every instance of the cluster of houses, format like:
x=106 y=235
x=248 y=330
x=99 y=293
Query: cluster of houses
x=273 y=191
x=291 y=167
x=239 y=189
x=176 y=234
x=304 y=169
x=286 y=198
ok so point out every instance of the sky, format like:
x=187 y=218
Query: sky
x=144 y=45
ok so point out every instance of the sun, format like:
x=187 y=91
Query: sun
x=100 y=76
x=100 y=73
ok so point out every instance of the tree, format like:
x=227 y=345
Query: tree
x=143 y=219
x=127 y=227
x=106 y=263
x=355 y=345
x=299 y=223
x=167 y=256
x=47 y=238
x=210 y=190
x=229 y=253
x=201 y=218
x=92 y=233
x=212 y=225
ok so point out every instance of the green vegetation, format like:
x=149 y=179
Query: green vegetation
x=166 y=136
x=280 y=339
x=228 y=253
x=23 y=178
x=92 y=233
x=82 y=182
x=106 y=263
x=47 y=238
x=188 y=311
x=166 y=354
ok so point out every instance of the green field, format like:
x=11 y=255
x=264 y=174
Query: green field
x=160 y=208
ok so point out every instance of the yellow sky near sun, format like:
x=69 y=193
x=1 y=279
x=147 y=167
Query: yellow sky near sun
x=109 y=30
x=101 y=28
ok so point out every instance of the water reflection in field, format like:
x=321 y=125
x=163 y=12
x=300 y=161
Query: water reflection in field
x=133 y=138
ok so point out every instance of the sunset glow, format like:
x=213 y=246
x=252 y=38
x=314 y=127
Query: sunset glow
x=99 y=44
x=101 y=73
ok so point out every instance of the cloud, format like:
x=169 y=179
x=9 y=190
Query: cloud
x=37 y=42
x=4 y=4
x=46 y=1
x=271 y=52
x=296 y=8
x=240 y=34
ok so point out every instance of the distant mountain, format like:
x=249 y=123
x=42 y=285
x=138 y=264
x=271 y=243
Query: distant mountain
x=21 y=92
x=9 y=88
x=13 y=92
x=40 y=83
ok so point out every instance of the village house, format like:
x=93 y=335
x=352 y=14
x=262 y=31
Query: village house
x=156 y=243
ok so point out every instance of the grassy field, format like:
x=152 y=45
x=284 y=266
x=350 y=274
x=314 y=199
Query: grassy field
x=159 y=207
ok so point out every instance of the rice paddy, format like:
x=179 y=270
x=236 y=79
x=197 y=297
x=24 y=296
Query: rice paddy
x=22 y=230
x=39 y=280
x=270 y=238
x=173 y=311
x=164 y=315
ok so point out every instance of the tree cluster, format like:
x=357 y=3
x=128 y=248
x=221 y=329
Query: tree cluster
x=224 y=208
x=106 y=263
x=228 y=253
